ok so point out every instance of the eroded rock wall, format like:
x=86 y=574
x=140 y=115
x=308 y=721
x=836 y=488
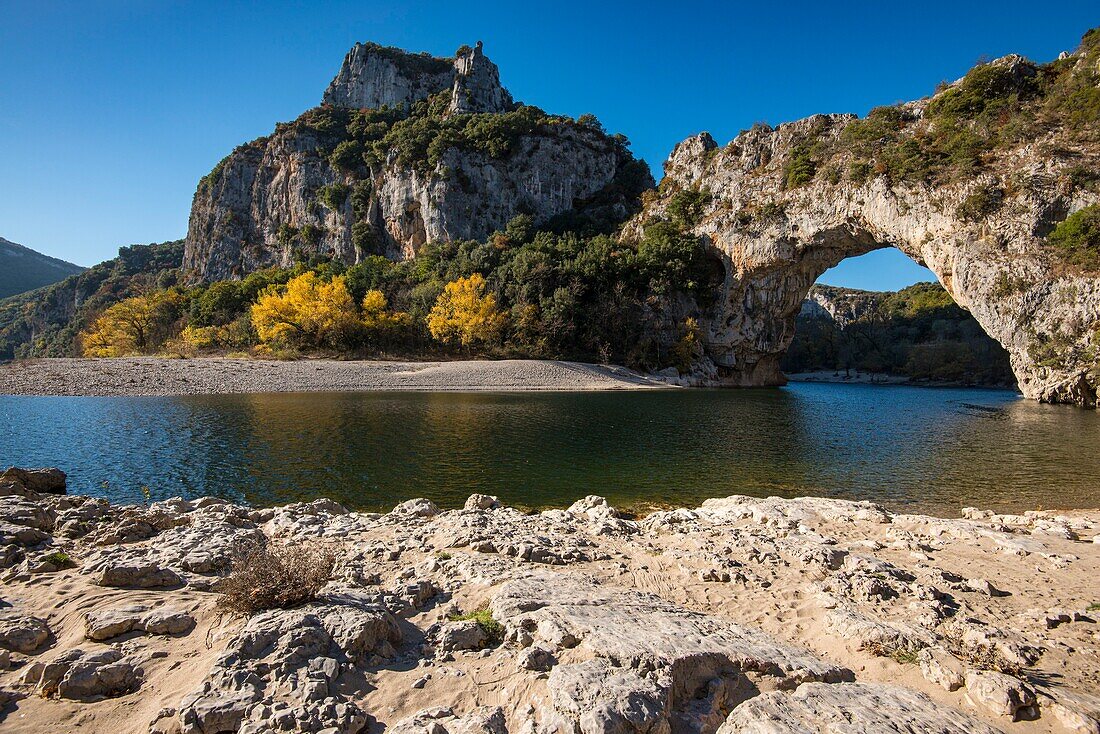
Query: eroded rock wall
x=776 y=240
x=261 y=206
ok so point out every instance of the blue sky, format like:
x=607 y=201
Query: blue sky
x=112 y=110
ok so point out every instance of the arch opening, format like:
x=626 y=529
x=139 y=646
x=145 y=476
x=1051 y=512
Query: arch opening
x=882 y=317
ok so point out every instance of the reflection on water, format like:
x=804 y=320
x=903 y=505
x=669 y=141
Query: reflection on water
x=923 y=449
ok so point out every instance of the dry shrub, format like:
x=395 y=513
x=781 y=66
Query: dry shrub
x=277 y=577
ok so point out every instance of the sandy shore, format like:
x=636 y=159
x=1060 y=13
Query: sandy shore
x=862 y=378
x=214 y=375
x=744 y=614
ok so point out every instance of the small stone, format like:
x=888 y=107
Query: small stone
x=481 y=502
x=22 y=632
x=942 y=668
x=462 y=635
x=1002 y=694
x=981 y=586
x=421 y=681
x=1055 y=617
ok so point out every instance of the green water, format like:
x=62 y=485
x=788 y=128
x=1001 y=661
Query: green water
x=922 y=449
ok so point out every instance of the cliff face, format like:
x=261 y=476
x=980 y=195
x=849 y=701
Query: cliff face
x=783 y=205
x=842 y=305
x=442 y=153
x=374 y=76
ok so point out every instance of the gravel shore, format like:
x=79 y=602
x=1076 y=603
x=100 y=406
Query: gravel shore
x=213 y=375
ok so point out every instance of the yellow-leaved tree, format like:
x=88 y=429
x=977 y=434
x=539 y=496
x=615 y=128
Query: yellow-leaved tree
x=137 y=325
x=466 y=314
x=380 y=324
x=308 y=312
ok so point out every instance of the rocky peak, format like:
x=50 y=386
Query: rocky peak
x=841 y=305
x=374 y=76
x=477 y=83
x=346 y=180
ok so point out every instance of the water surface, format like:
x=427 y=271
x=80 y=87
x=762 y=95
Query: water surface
x=926 y=449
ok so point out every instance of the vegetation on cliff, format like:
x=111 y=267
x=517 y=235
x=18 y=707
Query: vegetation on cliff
x=996 y=106
x=522 y=292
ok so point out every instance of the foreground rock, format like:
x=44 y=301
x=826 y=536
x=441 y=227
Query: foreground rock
x=858 y=708
x=744 y=614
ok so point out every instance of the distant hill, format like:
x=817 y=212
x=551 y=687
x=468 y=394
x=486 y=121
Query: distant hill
x=22 y=269
x=45 y=322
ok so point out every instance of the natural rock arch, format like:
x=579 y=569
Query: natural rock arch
x=776 y=241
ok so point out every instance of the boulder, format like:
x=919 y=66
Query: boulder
x=443 y=720
x=418 y=507
x=86 y=676
x=22 y=632
x=1077 y=712
x=481 y=502
x=652 y=661
x=104 y=624
x=137 y=574
x=16 y=510
x=852 y=708
x=42 y=481
x=1002 y=694
x=462 y=635
x=596 y=697
x=281 y=671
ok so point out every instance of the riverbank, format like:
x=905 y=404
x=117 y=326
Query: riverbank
x=743 y=614
x=138 y=376
x=867 y=378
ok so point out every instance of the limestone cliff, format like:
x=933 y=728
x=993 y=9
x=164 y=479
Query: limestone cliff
x=842 y=305
x=406 y=149
x=969 y=182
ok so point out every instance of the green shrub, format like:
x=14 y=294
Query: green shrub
x=59 y=559
x=333 y=196
x=347 y=156
x=365 y=239
x=1076 y=239
x=286 y=234
x=799 y=169
x=311 y=234
x=986 y=90
x=493 y=629
x=686 y=207
x=980 y=204
x=859 y=171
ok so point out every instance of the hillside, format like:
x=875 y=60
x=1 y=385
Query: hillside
x=45 y=322
x=22 y=269
x=405 y=150
x=420 y=211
